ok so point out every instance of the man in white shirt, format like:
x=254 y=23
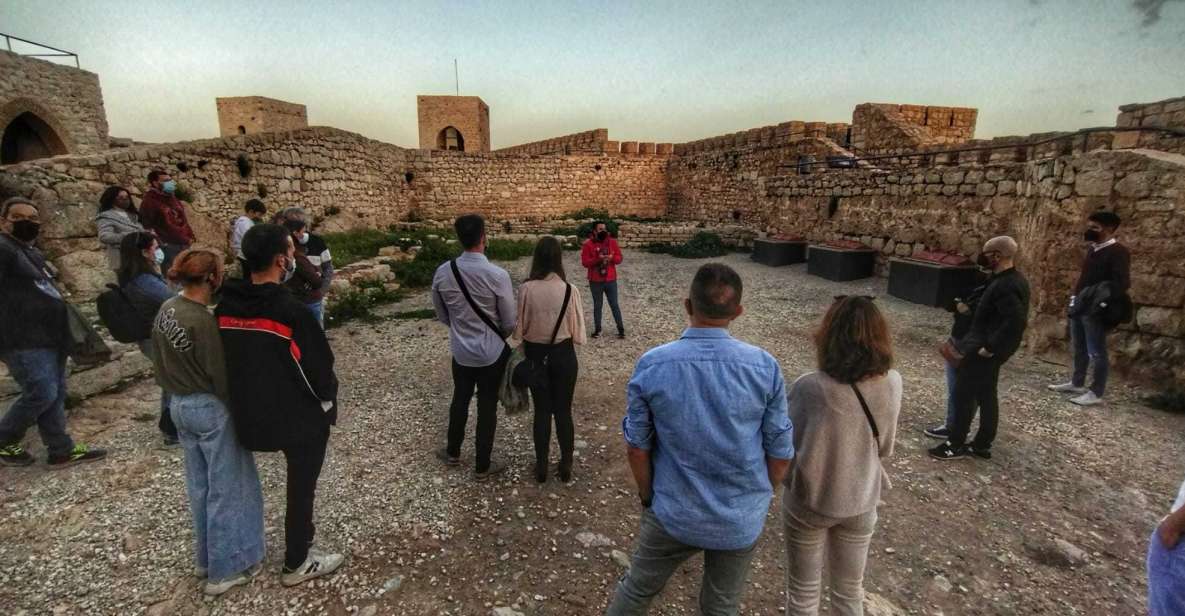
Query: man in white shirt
x=1166 y=563
x=253 y=213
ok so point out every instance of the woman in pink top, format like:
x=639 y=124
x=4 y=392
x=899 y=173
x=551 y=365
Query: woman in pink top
x=550 y=322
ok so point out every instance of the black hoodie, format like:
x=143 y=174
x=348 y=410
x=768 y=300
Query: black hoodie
x=283 y=391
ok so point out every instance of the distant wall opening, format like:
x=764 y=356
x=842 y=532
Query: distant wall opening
x=28 y=137
x=242 y=130
x=450 y=139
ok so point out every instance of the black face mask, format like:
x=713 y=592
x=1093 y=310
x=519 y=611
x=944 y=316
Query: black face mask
x=1091 y=235
x=26 y=230
x=601 y=235
x=983 y=261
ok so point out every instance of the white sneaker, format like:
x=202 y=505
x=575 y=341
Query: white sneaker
x=315 y=565
x=243 y=577
x=1087 y=399
x=200 y=572
x=1068 y=388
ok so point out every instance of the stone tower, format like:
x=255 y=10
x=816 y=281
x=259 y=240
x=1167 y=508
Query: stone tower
x=453 y=123
x=248 y=115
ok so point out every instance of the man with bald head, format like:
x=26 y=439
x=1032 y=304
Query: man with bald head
x=708 y=439
x=997 y=327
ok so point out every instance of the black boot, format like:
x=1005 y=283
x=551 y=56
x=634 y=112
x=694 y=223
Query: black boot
x=541 y=471
x=565 y=470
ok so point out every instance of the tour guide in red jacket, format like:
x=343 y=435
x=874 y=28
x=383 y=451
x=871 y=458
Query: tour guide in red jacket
x=283 y=391
x=163 y=214
x=601 y=255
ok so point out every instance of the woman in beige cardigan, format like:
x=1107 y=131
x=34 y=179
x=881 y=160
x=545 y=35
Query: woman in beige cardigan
x=549 y=328
x=835 y=482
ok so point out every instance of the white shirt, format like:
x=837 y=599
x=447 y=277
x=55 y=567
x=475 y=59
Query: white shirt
x=1180 y=502
x=1098 y=247
x=242 y=224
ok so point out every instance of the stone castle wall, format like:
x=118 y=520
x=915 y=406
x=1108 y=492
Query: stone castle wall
x=1169 y=113
x=587 y=142
x=258 y=114
x=67 y=99
x=468 y=114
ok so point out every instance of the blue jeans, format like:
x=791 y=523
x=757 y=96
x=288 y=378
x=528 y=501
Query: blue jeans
x=41 y=374
x=950 y=394
x=656 y=558
x=166 y=419
x=224 y=493
x=608 y=289
x=1089 y=338
x=1166 y=578
x=318 y=310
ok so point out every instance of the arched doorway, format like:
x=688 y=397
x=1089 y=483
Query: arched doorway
x=450 y=139
x=28 y=137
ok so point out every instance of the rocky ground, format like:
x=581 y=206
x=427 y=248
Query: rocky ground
x=1056 y=523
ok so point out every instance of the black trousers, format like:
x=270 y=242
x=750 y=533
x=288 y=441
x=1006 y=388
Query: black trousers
x=975 y=387
x=552 y=398
x=304 y=468
x=486 y=379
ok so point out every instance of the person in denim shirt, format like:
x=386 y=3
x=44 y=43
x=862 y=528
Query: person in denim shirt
x=709 y=439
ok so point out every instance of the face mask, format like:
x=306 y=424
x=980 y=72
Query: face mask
x=304 y=238
x=169 y=187
x=26 y=230
x=289 y=270
x=601 y=235
x=1091 y=235
x=158 y=256
x=985 y=262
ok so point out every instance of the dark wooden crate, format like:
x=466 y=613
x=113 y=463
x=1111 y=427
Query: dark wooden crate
x=929 y=284
x=779 y=252
x=841 y=264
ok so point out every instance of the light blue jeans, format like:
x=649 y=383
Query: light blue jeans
x=1166 y=578
x=224 y=493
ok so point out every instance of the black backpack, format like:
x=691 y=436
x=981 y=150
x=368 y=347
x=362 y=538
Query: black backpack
x=121 y=317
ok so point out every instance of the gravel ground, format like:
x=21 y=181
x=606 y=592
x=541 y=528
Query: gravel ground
x=1056 y=523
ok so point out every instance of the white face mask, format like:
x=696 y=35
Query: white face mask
x=289 y=270
x=304 y=238
x=159 y=256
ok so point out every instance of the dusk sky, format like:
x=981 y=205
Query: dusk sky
x=653 y=71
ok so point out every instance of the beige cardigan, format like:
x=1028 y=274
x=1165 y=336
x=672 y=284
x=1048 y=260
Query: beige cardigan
x=539 y=304
x=837 y=470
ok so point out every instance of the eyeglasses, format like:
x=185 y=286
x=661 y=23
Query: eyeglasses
x=870 y=298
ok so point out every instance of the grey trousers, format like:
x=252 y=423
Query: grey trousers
x=815 y=542
x=656 y=557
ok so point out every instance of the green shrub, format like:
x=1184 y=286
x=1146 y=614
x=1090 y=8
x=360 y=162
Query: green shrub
x=426 y=313
x=353 y=246
x=509 y=250
x=659 y=248
x=184 y=193
x=702 y=245
x=589 y=212
x=358 y=303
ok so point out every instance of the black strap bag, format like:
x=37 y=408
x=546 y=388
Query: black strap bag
x=533 y=372
x=120 y=315
x=876 y=434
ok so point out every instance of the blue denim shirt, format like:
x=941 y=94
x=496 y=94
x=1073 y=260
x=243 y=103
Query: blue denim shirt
x=709 y=408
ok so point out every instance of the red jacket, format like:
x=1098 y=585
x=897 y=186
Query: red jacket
x=590 y=256
x=164 y=215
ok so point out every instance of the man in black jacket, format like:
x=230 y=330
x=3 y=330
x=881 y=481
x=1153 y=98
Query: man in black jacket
x=283 y=391
x=997 y=327
x=33 y=344
x=1107 y=263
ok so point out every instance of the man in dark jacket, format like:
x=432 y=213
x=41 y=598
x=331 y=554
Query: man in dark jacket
x=283 y=391
x=1107 y=263
x=997 y=327
x=162 y=213
x=33 y=344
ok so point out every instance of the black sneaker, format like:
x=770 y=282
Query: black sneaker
x=442 y=454
x=596 y=334
x=985 y=453
x=15 y=455
x=948 y=451
x=621 y=335
x=939 y=432
x=170 y=442
x=78 y=455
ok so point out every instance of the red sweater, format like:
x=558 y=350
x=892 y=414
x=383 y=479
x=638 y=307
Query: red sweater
x=164 y=215
x=590 y=257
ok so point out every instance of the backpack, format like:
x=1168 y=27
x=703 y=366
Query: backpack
x=121 y=317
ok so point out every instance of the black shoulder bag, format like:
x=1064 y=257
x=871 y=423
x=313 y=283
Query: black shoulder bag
x=472 y=304
x=533 y=373
x=876 y=434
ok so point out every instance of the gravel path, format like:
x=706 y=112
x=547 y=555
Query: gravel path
x=968 y=537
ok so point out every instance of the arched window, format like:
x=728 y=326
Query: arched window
x=242 y=130
x=450 y=139
x=28 y=137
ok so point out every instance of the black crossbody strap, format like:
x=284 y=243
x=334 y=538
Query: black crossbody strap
x=469 y=298
x=563 y=309
x=876 y=434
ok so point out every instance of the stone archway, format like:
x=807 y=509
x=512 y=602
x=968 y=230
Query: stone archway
x=450 y=138
x=29 y=132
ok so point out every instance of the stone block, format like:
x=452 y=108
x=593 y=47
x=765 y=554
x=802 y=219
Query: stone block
x=1094 y=183
x=954 y=176
x=1161 y=321
x=1135 y=185
x=629 y=147
x=1164 y=291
